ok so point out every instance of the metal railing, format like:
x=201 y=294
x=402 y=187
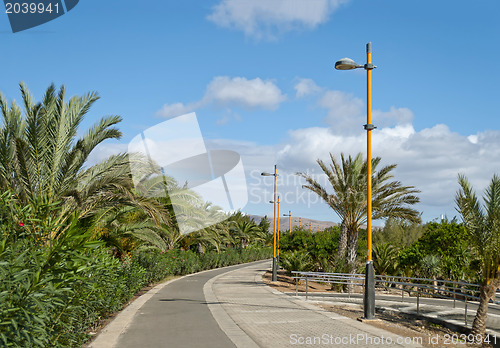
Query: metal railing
x=418 y=287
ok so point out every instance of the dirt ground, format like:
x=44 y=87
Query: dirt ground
x=431 y=335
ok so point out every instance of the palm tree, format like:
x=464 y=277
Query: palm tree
x=125 y=228
x=296 y=260
x=43 y=163
x=39 y=158
x=348 y=198
x=483 y=226
x=385 y=259
x=247 y=232
x=217 y=235
x=430 y=266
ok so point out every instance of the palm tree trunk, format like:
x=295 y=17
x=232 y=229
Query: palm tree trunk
x=342 y=242
x=487 y=292
x=201 y=249
x=352 y=246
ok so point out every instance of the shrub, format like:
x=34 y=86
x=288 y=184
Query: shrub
x=158 y=265
x=296 y=261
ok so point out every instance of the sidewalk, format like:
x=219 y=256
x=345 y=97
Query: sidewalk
x=255 y=315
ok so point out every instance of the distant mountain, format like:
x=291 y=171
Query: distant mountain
x=316 y=225
x=313 y=225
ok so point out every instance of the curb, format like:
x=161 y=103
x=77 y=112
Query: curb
x=108 y=337
x=227 y=325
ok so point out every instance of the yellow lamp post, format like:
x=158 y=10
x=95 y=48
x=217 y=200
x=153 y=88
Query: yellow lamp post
x=275 y=265
x=289 y=221
x=348 y=64
x=278 y=232
x=277 y=235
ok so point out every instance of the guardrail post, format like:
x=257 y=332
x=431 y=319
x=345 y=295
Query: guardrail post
x=418 y=301
x=306 y=287
x=349 y=289
x=465 y=317
x=363 y=291
x=454 y=297
x=402 y=292
x=296 y=287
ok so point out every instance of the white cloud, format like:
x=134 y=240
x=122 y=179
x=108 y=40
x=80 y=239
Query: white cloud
x=176 y=109
x=103 y=151
x=393 y=116
x=345 y=112
x=224 y=91
x=306 y=87
x=267 y=18
x=256 y=93
x=472 y=139
x=428 y=159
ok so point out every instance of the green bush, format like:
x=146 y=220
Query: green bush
x=37 y=289
x=158 y=265
x=296 y=261
x=449 y=240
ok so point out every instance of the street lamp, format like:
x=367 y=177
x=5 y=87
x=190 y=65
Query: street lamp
x=277 y=232
x=275 y=270
x=348 y=64
x=289 y=221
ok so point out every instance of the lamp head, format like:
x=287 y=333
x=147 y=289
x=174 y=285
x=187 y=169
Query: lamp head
x=266 y=174
x=346 y=64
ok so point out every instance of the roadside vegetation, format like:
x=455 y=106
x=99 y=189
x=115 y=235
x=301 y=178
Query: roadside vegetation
x=76 y=240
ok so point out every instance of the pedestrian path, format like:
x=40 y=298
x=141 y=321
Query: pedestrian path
x=268 y=318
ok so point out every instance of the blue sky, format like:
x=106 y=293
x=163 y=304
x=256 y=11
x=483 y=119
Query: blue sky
x=259 y=75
